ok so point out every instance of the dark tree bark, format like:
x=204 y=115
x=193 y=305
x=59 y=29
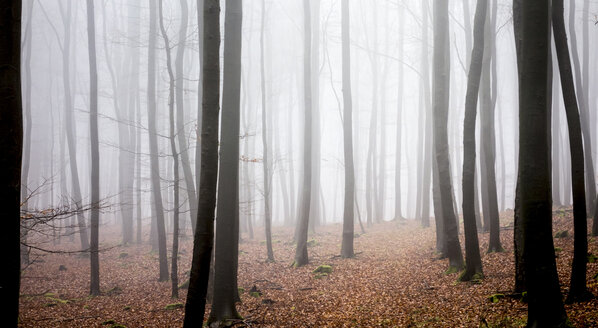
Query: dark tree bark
x=153 y=143
x=174 y=277
x=520 y=274
x=441 y=88
x=473 y=261
x=578 y=290
x=301 y=257
x=545 y=306
x=95 y=153
x=11 y=147
x=349 y=204
x=266 y=162
x=227 y=223
x=204 y=233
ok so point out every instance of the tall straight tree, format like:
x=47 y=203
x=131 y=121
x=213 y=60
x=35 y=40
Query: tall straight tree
x=95 y=153
x=441 y=86
x=545 y=306
x=204 y=233
x=11 y=147
x=348 y=212
x=578 y=289
x=226 y=254
x=153 y=142
x=399 y=132
x=180 y=114
x=487 y=134
x=301 y=257
x=265 y=156
x=175 y=156
x=473 y=261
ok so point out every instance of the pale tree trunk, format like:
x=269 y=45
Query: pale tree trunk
x=153 y=143
x=398 y=147
x=315 y=209
x=301 y=257
x=265 y=156
x=348 y=215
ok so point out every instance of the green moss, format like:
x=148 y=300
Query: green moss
x=174 y=306
x=241 y=290
x=109 y=322
x=452 y=269
x=312 y=243
x=595 y=277
x=49 y=295
x=505 y=322
x=114 y=291
x=127 y=308
x=323 y=269
x=118 y=326
x=495 y=298
x=592 y=258
x=321 y=275
x=255 y=294
x=562 y=234
x=558 y=249
x=123 y=255
x=50 y=304
x=58 y=300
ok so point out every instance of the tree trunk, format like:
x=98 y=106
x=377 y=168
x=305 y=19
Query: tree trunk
x=227 y=223
x=578 y=290
x=95 y=153
x=301 y=257
x=440 y=104
x=266 y=162
x=348 y=215
x=153 y=144
x=473 y=261
x=545 y=306
x=204 y=233
x=399 y=132
x=11 y=146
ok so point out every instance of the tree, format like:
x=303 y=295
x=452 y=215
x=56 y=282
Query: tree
x=545 y=306
x=180 y=115
x=578 y=290
x=11 y=148
x=203 y=239
x=95 y=153
x=399 y=132
x=175 y=157
x=303 y=218
x=153 y=143
x=265 y=157
x=473 y=261
x=441 y=81
x=487 y=135
x=226 y=254
x=348 y=215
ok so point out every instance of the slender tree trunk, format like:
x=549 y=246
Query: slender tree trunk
x=266 y=162
x=11 y=147
x=399 y=132
x=348 y=215
x=180 y=115
x=175 y=157
x=95 y=153
x=315 y=216
x=440 y=103
x=578 y=290
x=301 y=257
x=204 y=233
x=473 y=261
x=153 y=143
x=227 y=222
x=583 y=111
x=545 y=306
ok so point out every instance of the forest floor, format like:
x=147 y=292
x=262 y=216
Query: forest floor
x=396 y=280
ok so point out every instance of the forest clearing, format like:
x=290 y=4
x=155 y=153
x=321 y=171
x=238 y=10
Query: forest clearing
x=395 y=280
